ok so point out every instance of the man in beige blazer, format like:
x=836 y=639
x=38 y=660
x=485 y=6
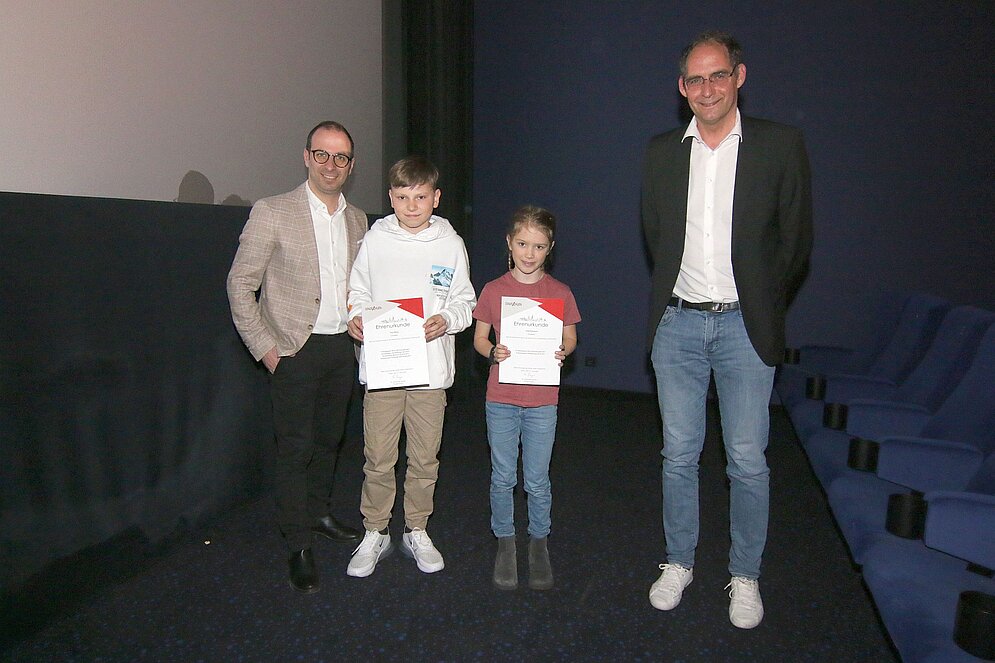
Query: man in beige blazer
x=296 y=252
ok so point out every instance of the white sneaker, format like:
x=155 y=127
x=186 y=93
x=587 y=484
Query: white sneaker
x=666 y=592
x=416 y=544
x=371 y=550
x=746 y=610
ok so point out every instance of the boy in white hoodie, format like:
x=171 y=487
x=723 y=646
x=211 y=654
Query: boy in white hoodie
x=411 y=253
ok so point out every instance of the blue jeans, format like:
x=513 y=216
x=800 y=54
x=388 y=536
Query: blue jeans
x=536 y=428
x=689 y=345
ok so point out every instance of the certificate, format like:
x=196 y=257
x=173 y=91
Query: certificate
x=394 y=350
x=532 y=329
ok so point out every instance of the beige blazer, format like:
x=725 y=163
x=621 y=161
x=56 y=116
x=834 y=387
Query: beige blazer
x=278 y=257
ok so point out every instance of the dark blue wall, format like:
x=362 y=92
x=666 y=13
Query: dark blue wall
x=895 y=100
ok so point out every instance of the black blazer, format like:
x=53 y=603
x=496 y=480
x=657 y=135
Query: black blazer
x=771 y=224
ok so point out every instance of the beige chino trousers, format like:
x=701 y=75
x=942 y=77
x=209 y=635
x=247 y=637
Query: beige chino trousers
x=422 y=412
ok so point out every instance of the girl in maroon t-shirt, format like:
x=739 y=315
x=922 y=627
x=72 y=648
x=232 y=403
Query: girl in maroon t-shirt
x=522 y=413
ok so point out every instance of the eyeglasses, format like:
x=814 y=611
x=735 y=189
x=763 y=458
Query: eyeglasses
x=718 y=78
x=340 y=160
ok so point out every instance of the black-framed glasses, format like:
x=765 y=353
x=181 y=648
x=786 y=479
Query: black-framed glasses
x=718 y=78
x=339 y=159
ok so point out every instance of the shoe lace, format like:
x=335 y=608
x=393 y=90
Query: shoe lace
x=369 y=541
x=744 y=591
x=671 y=581
x=420 y=539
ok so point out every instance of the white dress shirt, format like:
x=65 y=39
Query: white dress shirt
x=706 y=267
x=330 y=235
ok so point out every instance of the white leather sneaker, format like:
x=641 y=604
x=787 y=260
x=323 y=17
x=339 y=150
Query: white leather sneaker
x=666 y=592
x=374 y=547
x=746 y=609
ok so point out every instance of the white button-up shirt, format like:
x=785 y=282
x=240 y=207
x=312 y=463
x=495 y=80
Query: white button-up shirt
x=706 y=267
x=330 y=235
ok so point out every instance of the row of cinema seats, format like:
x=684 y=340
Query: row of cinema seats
x=901 y=434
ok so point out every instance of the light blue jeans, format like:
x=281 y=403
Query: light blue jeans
x=535 y=427
x=688 y=346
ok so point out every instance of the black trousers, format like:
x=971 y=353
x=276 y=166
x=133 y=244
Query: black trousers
x=310 y=393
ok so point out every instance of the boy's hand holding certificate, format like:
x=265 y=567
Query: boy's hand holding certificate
x=394 y=345
x=532 y=329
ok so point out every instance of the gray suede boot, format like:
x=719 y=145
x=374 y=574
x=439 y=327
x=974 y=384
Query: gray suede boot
x=540 y=571
x=506 y=564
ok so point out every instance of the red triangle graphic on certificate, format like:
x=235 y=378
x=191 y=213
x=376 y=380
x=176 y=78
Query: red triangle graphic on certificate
x=413 y=306
x=554 y=306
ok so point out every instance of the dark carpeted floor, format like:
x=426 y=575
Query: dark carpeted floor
x=228 y=600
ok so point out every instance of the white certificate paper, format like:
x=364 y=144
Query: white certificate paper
x=532 y=329
x=394 y=348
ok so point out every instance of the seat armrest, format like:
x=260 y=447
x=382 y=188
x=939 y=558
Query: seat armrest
x=927 y=464
x=845 y=388
x=876 y=420
x=961 y=524
x=821 y=358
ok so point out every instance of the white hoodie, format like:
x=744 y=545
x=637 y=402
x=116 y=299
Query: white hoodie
x=393 y=263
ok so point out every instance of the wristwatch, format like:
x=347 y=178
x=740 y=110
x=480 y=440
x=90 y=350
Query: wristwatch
x=490 y=356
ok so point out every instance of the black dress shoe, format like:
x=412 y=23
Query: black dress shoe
x=331 y=528
x=303 y=575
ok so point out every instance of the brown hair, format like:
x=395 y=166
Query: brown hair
x=329 y=124
x=413 y=171
x=537 y=218
x=724 y=39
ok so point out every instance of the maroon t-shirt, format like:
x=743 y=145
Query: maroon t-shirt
x=489 y=310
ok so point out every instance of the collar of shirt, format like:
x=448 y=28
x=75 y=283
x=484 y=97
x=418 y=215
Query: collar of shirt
x=320 y=207
x=692 y=130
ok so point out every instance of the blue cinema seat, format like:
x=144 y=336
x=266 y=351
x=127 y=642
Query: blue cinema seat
x=942 y=367
x=875 y=328
x=912 y=336
x=859 y=500
x=917 y=585
x=964 y=416
x=868 y=340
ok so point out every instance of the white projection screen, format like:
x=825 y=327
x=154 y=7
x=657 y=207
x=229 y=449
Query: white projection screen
x=131 y=98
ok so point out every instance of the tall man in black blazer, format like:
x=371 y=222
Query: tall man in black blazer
x=727 y=215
